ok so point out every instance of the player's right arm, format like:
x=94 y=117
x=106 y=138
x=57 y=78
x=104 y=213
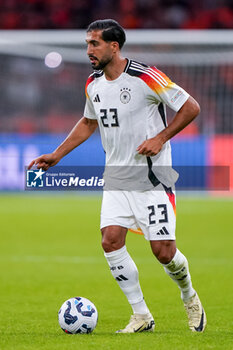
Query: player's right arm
x=80 y=133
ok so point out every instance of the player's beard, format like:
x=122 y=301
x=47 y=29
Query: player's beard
x=101 y=64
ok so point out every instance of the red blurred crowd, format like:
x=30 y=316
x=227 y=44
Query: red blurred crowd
x=77 y=14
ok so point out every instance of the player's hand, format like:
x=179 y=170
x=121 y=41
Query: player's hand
x=151 y=147
x=44 y=161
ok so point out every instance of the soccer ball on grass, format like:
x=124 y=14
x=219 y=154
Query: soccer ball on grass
x=78 y=315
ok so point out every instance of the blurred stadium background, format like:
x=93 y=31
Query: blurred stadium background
x=44 y=69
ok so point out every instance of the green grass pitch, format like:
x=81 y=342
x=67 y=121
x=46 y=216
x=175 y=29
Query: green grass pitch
x=50 y=251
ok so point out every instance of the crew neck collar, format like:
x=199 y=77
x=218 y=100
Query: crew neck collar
x=125 y=70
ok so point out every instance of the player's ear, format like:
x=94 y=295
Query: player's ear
x=115 y=46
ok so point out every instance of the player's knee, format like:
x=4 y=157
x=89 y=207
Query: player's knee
x=113 y=238
x=164 y=257
x=164 y=251
x=111 y=243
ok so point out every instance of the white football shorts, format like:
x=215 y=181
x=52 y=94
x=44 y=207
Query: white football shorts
x=152 y=213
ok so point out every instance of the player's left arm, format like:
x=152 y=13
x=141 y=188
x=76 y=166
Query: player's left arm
x=182 y=118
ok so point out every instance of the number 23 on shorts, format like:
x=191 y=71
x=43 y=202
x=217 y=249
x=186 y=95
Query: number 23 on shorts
x=160 y=211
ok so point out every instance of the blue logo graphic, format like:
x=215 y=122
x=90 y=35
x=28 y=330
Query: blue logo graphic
x=61 y=178
x=35 y=178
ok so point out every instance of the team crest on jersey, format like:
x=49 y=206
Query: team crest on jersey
x=125 y=96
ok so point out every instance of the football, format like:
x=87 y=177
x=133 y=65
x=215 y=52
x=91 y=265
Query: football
x=78 y=315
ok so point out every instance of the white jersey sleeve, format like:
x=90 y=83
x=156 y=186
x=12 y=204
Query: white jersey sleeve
x=165 y=90
x=173 y=96
x=161 y=88
x=89 y=111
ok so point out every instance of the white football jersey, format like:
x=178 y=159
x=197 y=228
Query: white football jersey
x=129 y=110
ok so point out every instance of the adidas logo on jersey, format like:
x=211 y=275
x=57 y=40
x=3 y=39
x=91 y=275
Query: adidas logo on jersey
x=97 y=98
x=163 y=231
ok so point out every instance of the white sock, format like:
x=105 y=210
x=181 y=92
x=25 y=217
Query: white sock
x=178 y=270
x=125 y=273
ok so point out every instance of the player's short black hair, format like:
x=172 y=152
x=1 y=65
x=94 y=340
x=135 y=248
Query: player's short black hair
x=111 y=30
